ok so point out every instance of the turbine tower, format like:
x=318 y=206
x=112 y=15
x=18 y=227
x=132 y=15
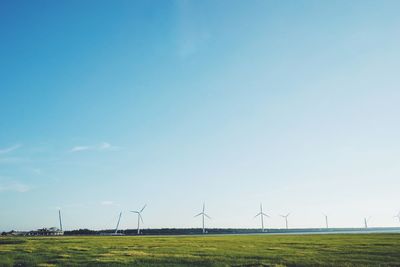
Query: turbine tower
x=119 y=219
x=203 y=214
x=59 y=218
x=261 y=214
x=286 y=220
x=326 y=221
x=366 y=222
x=139 y=218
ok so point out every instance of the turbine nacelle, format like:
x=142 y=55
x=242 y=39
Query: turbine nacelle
x=261 y=214
x=284 y=216
x=286 y=219
x=202 y=213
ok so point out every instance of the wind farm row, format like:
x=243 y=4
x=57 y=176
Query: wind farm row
x=262 y=215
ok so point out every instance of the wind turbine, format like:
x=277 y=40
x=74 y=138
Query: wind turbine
x=398 y=216
x=203 y=214
x=326 y=221
x=119 y=219
x=261 y=214
x=286 y=220
x=139 y=218
x=366 y=222
x=59 y=218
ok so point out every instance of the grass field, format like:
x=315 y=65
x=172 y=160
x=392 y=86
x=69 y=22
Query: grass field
x=245 y=250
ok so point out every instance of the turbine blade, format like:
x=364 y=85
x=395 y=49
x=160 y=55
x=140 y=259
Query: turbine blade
x=143 y=207
x=258 y=214
x=204 y=206
x=140 y=216
x=265 y=214
x=198 y=214
x=134 y=211
x=207 y=216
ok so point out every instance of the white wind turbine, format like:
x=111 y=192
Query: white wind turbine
x=286 y=220
x=119 y=219
x=261 y=214
x=366 y=222
x=326 y=221
x=397 y=216
x=139 y=213
x=203 y=214
x=60 y=221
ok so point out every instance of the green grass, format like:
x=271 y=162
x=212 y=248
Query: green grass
x=250 y=250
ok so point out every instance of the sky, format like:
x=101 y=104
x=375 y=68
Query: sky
x=108 y=105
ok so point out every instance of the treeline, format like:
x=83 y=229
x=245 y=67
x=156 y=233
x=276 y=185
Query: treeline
x=198 y=231
x=163 y=231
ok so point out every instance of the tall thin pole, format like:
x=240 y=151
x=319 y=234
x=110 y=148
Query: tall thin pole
x=59 y=218
x=203 y=214
x=119 y=219
x=286 y=222
x=262 y=223
x=365 y=223
x=138 y=224
x=204 y=230
x=262 y=218
x=326 y=221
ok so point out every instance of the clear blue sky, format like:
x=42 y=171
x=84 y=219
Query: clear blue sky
x=107 y=105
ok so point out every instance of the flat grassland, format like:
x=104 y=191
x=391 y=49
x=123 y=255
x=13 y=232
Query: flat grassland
x=234 y=250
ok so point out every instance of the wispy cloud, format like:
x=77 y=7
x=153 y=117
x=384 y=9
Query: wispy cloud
x=100 y=147
x=10 y=149
x=107 y=146
x=15 y=187
x=5 y=158
x=107 y=203
x=79 y=148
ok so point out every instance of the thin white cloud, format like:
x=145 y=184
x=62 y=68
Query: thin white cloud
x=15 y=187
x=79 y=148
x=107 y=146
x=10 y=149
x=104 y=146
x=107 y=203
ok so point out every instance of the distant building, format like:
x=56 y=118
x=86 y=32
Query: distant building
x=46 y=232
x=15 y=233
